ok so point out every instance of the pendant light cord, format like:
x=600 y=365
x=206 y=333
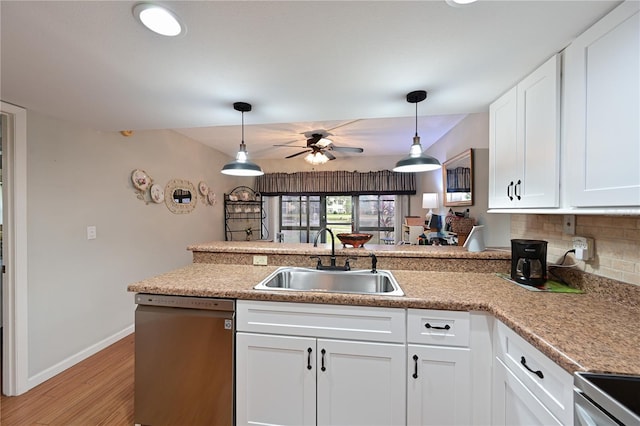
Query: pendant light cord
x=416 y=118
x=243 y=127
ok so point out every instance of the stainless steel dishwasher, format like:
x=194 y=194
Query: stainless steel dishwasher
x=184 y=350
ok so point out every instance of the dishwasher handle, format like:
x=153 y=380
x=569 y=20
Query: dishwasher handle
x=186 y=302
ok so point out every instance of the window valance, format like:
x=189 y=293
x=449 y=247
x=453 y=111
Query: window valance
x=381 y=182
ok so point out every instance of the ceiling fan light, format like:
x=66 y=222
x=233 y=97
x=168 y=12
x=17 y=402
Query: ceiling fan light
x=158 y=19
x=316 y=158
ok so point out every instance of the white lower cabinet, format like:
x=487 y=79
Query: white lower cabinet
x=310 y=364
x=528 y=387
x=273 y=384
x=280 y=378
x=439 y=388
x=360 y=383
x=311 y=378
x=514 y=404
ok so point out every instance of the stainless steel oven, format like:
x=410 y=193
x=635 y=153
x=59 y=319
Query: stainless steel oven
x=606 y=399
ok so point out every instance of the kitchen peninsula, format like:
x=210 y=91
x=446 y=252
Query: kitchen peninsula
x=595 y=331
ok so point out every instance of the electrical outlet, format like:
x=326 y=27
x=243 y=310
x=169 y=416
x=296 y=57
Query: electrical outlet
x=584 y=248
x=569 y=224
x=260 y=260
x=91 y=233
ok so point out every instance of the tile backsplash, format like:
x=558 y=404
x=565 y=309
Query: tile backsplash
x=617 y=242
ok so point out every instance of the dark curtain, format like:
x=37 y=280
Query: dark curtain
x=336 y=182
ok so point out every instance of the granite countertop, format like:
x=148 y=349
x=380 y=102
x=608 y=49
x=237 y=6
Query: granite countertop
x=405 y=250
x=594 y=331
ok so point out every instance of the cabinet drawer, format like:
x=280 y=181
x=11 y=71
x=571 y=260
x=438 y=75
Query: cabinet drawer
x=552 y=385
x=432 y=327
x=333 y=321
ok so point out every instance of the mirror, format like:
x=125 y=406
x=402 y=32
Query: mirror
x=180 y=196
x=457 y=178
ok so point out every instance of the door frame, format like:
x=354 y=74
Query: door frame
x=14 y=281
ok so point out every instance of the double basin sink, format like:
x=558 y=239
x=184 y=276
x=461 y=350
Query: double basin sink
x=380 y=283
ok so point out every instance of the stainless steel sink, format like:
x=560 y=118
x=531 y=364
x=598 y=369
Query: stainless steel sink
x=381 y=283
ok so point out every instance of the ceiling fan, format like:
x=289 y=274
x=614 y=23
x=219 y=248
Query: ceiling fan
x=319 y=147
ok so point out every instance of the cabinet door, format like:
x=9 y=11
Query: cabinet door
x=274 y=384
x=602 y=93
x=362 y=383
x=502 y=150
x=439 y=389
x=513 y=404
x=538 y=142
x=524 y=142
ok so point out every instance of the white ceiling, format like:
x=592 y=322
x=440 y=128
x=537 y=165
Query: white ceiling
x=303 y=65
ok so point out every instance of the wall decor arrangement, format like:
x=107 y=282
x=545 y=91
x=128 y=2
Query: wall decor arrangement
x=179 y=195
x=207 y=196
x=142 y=183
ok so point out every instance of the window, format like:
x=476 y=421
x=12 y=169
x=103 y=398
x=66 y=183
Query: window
x=376 y=215
x=302 y=216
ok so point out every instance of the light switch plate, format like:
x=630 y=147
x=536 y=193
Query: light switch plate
x=91 y=233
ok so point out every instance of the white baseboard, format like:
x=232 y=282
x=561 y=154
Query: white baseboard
x=45 y=375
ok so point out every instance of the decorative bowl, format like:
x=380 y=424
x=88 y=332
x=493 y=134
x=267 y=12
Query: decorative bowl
x=355 y=240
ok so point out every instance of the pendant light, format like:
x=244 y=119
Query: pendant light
x=416 y=161
x=242 y=166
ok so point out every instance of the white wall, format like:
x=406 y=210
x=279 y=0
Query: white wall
x=471 y=132
x=78 y=177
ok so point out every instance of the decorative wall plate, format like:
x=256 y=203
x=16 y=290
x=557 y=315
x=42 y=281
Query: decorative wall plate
x=157 y=193
x=203 y=188
x=140 y=179
x=211 y=198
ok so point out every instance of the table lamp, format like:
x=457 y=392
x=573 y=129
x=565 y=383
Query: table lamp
x=430 y=201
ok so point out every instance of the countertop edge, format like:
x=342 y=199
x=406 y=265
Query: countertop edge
x=486 y=293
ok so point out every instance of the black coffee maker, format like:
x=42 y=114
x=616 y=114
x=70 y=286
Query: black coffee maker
x=529 y=262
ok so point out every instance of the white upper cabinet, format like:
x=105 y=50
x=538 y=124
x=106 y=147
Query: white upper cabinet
x=602 y=112
x=524 y=142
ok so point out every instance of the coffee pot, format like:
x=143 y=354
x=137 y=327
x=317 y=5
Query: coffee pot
x=529 y=262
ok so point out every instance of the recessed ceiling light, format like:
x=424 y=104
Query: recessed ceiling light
x=158 y=19
x=459 y=3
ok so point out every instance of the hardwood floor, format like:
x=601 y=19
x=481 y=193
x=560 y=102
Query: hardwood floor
x=97 y=391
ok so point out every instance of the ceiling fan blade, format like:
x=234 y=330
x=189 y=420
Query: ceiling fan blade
x=299 y=153
x=344 y=124
x=329 y=155
x=346 y=149
x=292 y=146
